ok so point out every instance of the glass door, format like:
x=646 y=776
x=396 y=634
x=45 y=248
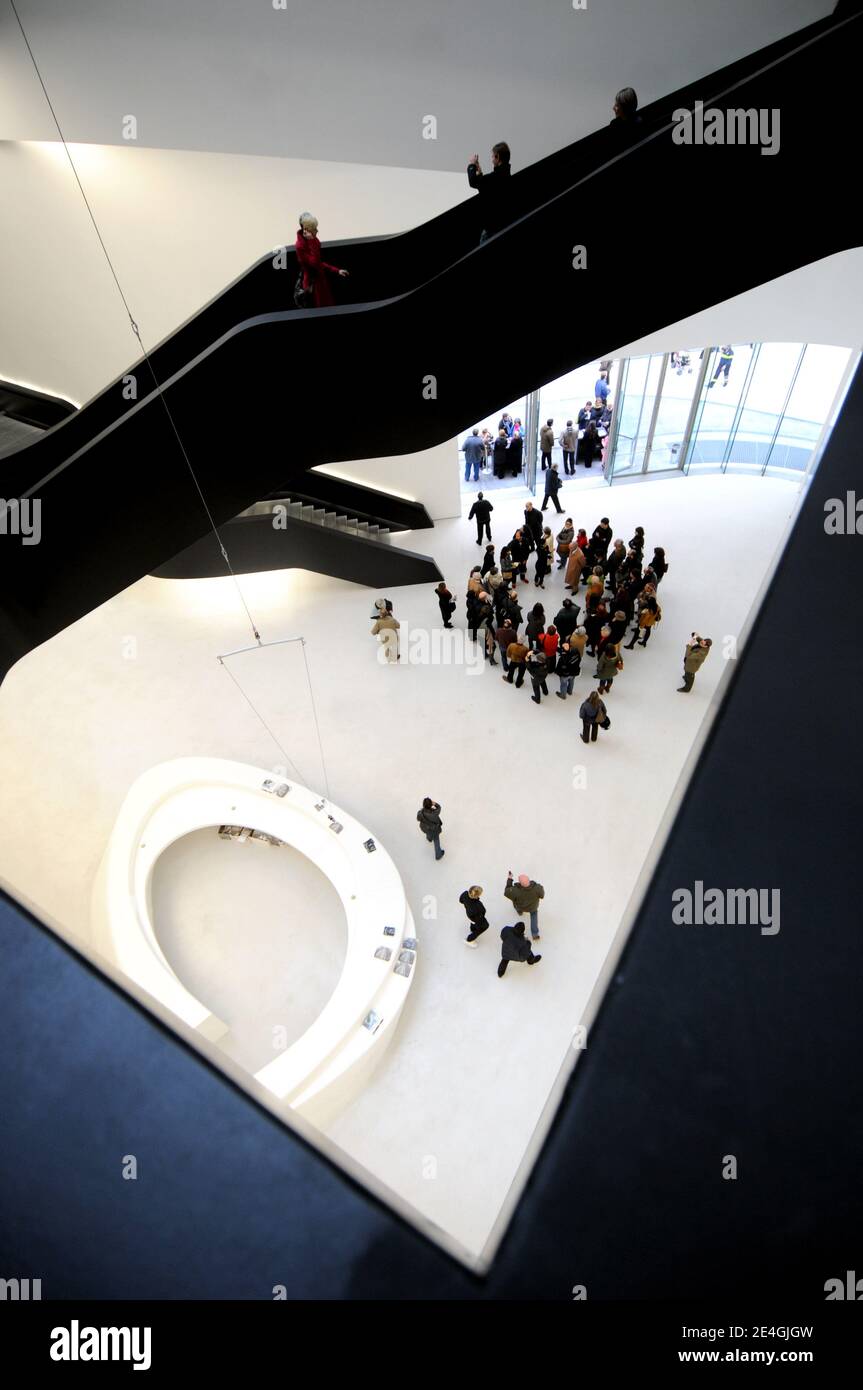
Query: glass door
x=672 y=418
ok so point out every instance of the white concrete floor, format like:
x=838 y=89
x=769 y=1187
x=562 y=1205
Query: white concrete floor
x=255 y=931
x=447 y=1118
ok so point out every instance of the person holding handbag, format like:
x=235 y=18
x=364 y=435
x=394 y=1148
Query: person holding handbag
x=312 y=290
x=609 y=664
x=593 y=716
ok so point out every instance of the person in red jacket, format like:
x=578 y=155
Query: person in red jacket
x=315 y=271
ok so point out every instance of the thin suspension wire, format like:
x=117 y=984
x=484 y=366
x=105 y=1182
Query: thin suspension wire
x=135 y=329
x=172 y=422
x=257 y=712
x=315 y=714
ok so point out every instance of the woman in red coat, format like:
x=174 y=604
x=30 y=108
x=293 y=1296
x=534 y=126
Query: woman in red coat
x=315 y=271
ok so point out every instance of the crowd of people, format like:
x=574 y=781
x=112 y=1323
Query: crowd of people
x=620 y=600
x=582 y=440
x=610 y=591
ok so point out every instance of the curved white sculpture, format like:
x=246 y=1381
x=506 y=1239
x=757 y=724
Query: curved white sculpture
x=332 y=1060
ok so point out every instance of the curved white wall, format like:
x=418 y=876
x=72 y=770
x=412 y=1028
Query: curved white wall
x=330 y=1062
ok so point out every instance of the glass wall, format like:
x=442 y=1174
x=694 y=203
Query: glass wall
x=744 y=407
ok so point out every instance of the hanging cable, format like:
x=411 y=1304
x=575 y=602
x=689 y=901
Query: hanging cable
x=315 y=715
x=258 y=715
x=136 y=330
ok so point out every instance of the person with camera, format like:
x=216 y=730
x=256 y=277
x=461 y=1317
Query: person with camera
x=697 y=652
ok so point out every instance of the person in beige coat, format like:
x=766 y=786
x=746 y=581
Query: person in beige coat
x=386 y=629
x=578 y=640
x=569 y=444
x=546 y=443
x=575 y=564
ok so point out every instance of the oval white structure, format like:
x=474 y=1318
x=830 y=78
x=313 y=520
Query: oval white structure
x=331 y=1061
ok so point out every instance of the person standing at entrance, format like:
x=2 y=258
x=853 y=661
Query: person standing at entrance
x=499 y=454
x=553 y=484
x=726 y=355
x=697 y=652
x=569 y=444
x=471 y=901
x=589 y=446
x=431 y=824
x=481 y=512
x=474 y=454
x=525 y=894
x=546 y=442
x=601 y=393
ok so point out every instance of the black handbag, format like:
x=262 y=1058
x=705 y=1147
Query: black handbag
x=302 y=298
x=605 y=723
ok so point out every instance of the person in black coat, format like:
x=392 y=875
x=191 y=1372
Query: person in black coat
x=512 y=609
x=495 y=198
x=626 y=125
x=500 y=462
x=481 y=512
x=659 y=564
x=599 y=543
x=568 y=667
x=617 y=627
x=553 y=484
x=624 y=602
x=537 y=669
x=637 y=543
x=533 y=525
x=542 y=566
x=535 y=624
x=446 y=602
x=513 y=946
x=589 y=446
x=594 y=625
x=487 y=561
x=566 y=621
x=471 y=901
x=431 y=824
x=519 y=549
x=515 y=455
